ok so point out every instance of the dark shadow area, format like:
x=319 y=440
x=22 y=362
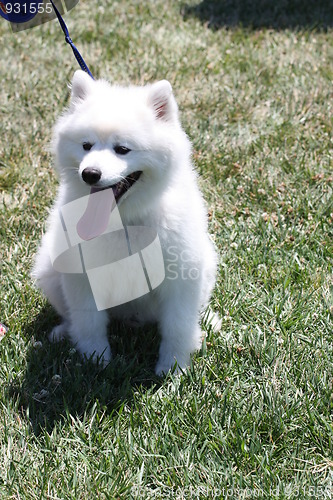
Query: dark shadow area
x=256 y=14
x=57 y=382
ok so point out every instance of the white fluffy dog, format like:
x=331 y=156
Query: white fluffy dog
x=128 y=142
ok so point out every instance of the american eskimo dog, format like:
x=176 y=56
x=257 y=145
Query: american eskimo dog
x=121 y=150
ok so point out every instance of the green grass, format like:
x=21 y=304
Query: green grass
x=252 y=418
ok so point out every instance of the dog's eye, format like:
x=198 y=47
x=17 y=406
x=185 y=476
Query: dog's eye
x=121 y=150
x=87 y=146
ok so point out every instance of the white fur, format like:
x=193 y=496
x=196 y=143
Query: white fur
x=166 y=197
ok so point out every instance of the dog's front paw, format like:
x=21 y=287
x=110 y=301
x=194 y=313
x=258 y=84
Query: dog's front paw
x=100 y=353
x=162 y=369
x=169 y=362
x=58 y=333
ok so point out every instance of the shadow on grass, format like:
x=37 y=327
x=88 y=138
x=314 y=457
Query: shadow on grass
x=57 y=382
x=256 y=14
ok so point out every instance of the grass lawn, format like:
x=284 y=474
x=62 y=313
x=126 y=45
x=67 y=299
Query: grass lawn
x=252 y=418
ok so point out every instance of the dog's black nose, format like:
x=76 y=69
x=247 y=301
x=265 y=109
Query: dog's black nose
x=91 y=175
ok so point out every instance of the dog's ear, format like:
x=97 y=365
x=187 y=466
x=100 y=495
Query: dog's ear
x=82 y=85
x=161 y=99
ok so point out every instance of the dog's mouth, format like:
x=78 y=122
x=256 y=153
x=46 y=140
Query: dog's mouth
x=96 y=217
x=121 y=187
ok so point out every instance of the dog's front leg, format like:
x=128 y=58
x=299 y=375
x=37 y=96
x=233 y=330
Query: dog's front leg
x=87 y=326
x=180 y=330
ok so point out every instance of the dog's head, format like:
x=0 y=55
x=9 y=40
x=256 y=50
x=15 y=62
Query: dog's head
x=125 y=138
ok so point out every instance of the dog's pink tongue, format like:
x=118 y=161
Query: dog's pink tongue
x=95 y=219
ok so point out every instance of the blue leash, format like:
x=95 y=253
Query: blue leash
x=68 y=39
